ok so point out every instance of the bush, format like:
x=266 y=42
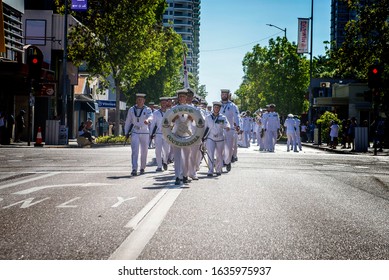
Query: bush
x=110 y=139
x=325 y=122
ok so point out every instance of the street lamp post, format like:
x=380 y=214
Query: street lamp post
x=278 y=28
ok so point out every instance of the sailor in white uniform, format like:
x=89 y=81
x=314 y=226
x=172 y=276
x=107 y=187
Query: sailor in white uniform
x=137 y=123
x=162 y=148
x=216 y=125
x=272 y=126
x=231 y=112
x=290 y=125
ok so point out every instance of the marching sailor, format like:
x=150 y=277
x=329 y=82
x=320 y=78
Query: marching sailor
x=290 y=125
x=216 y=124
x=231 y=112
x=182 y=128
x=137 y=123
x=272 y=126
x=162 y=148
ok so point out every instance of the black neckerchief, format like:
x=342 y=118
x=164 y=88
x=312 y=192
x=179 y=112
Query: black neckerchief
x=225 y=107
x=141 y=111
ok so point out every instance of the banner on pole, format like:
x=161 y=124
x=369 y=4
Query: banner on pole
x=303 y=35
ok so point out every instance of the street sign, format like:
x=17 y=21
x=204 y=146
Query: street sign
x=79 y=5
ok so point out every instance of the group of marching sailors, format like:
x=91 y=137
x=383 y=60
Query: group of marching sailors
x=225 y=130
x=218 y=146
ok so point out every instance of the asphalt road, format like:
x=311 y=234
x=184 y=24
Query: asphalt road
x=69 y=203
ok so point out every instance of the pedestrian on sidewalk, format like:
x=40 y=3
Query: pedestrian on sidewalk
x=20 y=125
x=334 y=132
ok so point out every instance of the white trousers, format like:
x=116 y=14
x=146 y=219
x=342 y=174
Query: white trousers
x=291 y=141
x=271 y=139
x=181 y=161
x=161 y=150
x=139 y=143
x=215 y=149
x=228 y=146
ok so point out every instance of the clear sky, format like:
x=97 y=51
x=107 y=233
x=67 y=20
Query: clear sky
x=230 y=28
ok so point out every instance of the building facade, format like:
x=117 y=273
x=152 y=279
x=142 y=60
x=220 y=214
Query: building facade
x=184 y=16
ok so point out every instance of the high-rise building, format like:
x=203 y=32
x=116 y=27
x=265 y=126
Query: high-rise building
x=184 y=16
x=340 y=15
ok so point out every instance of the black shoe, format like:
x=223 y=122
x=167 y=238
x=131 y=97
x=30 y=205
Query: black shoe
x=185 y=180
x=218 y=174
x=178 y=181
x=229 y=167
x=164 y=166
x=133 y=173
x=142 y=171
x=210 y=175
x=159 y=169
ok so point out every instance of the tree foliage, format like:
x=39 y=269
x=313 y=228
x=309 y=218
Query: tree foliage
x=274 y=74
x=366 y=40
x=124 y=39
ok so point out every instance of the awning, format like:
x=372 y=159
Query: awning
x=86 y=103
x=330 y=101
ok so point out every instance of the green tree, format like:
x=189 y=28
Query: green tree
x=124 y=39
x=325 y=122
x=274 y=74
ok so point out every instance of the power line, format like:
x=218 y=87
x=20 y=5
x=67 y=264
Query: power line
x=247 y=44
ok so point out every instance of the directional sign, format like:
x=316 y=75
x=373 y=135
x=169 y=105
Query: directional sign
x=79 y=5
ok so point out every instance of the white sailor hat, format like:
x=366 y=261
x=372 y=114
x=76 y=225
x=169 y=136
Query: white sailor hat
x=290 y=115
x=217 y=103
x=225 y=90
x=272 y=105
x=182 y=91
x=163 y=98
x=140 y=95
x=151 y=103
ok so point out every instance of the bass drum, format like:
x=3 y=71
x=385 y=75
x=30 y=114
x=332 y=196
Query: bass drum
x=195 y=133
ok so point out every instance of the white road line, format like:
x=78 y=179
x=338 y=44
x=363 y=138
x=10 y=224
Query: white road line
x=35 y=189
x=145 y=224
x=28 y=180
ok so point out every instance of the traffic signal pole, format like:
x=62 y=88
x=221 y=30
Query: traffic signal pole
x=64 y=67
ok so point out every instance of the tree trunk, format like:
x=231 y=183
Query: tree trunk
x=117 y=112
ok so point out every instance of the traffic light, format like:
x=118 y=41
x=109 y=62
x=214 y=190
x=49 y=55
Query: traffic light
x=34 y=60
x=374 y=76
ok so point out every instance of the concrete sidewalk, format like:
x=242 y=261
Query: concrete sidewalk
x=339 y=150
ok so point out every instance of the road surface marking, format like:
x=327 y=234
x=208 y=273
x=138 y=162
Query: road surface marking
x=145 y=224
x=66 y=204
x=28 y=180
x=35 y=189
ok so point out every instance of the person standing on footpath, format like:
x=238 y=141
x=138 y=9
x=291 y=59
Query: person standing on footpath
x=20 y=125
x=137 y=123
x=162 y=148
x=216 y=124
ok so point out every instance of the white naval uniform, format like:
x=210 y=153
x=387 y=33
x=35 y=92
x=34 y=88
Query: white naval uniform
x=290 y=125
x=298 y=137
x=231 y=112
x=215 y=140
x=195 y=153
x=246 y=123
x=162 y=148
x=183 y=128
x=272 y=125
x=140 y=134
